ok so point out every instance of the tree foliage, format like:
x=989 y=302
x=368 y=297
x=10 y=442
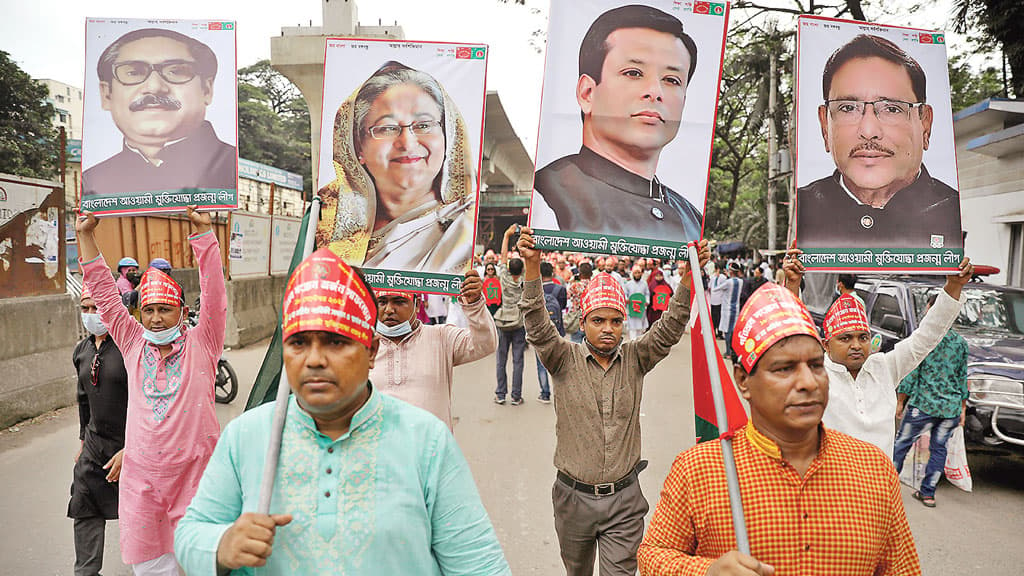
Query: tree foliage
x=273 y=121
x=28 y=140
x=969 y=86
x=999 y=23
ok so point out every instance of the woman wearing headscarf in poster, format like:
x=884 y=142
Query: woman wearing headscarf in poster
x=403 y=197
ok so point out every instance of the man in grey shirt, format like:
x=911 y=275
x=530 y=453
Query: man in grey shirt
x=598 y=385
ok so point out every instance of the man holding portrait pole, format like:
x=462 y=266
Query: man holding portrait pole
x=597 y=501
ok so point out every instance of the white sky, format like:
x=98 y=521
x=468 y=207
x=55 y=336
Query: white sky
x=47 y=37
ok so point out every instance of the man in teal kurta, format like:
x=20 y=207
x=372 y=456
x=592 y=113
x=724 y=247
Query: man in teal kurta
x=366 y=484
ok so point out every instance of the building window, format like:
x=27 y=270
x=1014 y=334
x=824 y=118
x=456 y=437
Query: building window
x=1015 y=269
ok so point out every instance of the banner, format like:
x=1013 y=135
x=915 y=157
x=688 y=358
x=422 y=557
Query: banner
x=400 y=159
x=160 y=116
x=875 y=162
x=626 y=125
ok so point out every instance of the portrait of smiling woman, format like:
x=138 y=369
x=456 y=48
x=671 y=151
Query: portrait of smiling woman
x=403 y=194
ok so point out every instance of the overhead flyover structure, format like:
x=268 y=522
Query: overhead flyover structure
x=506 y=177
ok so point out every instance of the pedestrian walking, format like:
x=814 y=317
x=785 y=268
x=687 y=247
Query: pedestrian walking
x=102 y=394
x=933 y=397
x=172 y=427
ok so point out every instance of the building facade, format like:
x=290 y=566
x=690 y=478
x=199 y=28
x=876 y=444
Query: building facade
x=990 y=165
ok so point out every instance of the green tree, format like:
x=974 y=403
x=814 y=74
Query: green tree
x=969 y=86
x=999 y=23
x=273 y=121
x=28 y=141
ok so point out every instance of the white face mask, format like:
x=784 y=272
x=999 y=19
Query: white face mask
x=394 y=331
x=93 y=324
x=165 y=336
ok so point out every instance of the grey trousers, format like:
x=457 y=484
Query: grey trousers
x=613 y=525
x=89 y=536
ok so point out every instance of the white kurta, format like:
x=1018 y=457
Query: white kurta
x=865 y=408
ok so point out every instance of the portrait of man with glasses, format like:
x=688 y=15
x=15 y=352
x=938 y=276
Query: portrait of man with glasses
x=157 y=85
x=876 y=125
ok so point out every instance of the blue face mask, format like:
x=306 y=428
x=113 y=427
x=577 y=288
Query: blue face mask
x=93 y=324
x=163 y=337
x=394 y=331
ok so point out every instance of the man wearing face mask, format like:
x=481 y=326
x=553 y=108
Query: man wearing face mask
x=172 y=428
x=415 y=361
x=598 y=505
x=102 y=409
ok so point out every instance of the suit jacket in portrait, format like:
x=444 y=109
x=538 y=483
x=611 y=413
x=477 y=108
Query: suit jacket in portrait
x=197 y=161
x=828 y=217
x=591 y=194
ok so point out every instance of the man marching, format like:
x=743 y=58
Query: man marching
x=816 y=501
x=172 y=426
x=415 y=361
x=366 y=484
x=862 y=397
x=597 y=500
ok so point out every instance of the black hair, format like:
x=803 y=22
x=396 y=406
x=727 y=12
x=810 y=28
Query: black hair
x=586 y=269
x=848 y=280
x=546 y=270
x=869 y=46
x=515 y=266
x=206 y=60
x=594 y=47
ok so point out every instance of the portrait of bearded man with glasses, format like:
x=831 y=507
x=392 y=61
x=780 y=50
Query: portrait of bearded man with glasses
x=876 y=125
x=157 y=84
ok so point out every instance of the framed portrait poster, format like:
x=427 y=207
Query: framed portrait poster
x=400 y=159
x=875 y=172
x=626 y=125
x=160 y=125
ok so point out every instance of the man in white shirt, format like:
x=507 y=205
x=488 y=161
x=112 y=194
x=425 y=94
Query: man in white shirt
x=862 y=385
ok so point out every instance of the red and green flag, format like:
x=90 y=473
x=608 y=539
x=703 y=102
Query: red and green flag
x=705 y=421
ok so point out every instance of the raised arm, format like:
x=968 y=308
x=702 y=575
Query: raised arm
x=503 y=257
x=665 y=333
x=540 y=331
x=213 y=293
x=480 y=339
x=911 y=351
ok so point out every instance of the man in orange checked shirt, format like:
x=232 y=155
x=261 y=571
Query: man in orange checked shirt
x=816 y=501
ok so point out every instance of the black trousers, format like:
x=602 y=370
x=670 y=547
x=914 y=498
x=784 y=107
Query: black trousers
x=89 y=536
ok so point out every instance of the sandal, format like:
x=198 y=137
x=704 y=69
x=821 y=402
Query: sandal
x=928 y=501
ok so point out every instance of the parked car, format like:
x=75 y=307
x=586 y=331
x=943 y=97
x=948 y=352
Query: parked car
x=992 y=323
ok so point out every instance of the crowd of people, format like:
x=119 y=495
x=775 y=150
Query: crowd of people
x=368 y=457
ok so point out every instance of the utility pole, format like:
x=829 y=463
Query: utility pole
x=773 y=150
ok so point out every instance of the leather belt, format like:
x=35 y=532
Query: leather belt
x=606 y=489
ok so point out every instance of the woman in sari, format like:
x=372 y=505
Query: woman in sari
x=403 y=196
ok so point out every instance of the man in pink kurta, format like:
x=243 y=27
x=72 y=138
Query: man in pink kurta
x=415 y=360
x=172 y=426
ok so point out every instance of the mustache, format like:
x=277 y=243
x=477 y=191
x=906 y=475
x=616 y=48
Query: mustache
x=147 y=100
x=871 y=146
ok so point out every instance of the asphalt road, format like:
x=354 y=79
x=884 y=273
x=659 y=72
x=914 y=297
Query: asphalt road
x=509 y=449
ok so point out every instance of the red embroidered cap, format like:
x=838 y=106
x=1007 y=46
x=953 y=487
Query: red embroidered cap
x=325 y=294
x=157 y=287
x=771 y=314
x=604 y=291
x=845 y=315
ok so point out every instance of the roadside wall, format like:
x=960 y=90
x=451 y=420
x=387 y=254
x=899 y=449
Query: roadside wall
x=37 y=336
x=39 y=333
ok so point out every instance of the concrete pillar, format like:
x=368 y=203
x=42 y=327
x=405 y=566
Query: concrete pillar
x=298 y=54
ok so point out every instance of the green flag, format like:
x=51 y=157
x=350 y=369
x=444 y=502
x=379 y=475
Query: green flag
x=265 y=388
